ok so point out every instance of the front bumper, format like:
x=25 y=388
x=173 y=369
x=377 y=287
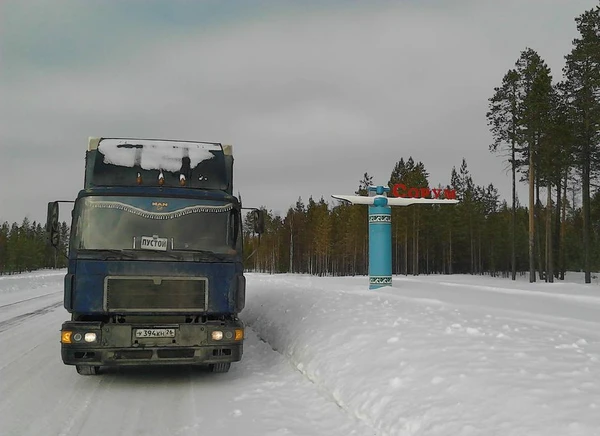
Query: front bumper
x=117 y=344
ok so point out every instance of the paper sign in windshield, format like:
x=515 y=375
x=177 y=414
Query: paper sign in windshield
x=154 y=243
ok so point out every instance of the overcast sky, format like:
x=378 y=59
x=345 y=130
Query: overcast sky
x=312 y=94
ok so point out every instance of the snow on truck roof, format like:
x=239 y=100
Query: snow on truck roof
x=152 y=154
x=136 y=161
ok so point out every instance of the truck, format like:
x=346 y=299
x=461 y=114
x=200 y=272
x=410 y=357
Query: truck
x=155 y=257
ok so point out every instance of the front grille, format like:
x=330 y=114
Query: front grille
x=155 y=294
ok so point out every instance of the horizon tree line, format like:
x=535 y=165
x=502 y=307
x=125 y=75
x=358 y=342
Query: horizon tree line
x=24 y=247
x=471 y=237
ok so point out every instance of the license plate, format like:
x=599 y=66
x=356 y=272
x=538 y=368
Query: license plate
x=155 y=333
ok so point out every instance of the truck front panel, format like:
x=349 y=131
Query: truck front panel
x=104 y=287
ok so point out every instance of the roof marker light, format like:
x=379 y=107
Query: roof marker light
x=182 y=180
x=161 y=178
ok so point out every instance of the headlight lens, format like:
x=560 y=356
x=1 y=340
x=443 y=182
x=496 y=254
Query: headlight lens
x=217 y=335
x=77 y=337
x=90 y=337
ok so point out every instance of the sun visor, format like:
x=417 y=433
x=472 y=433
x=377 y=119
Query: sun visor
x=143 y=162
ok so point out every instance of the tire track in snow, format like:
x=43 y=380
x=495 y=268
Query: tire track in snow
x=83 y=410
x=16 y=320
x=20 y=356
x=29 y=299
x=325 y=393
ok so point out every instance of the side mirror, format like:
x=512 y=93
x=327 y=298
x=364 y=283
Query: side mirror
x=258 y=219
x=52 y=227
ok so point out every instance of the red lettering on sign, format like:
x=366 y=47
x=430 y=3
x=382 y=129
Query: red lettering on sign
x=414 y=192
x=400 y=190
x=450 y=194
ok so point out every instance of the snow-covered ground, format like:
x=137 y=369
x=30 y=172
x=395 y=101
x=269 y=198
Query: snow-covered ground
x=432 y=355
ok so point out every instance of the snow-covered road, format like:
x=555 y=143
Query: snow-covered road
x=262 y=395
x=434 y=355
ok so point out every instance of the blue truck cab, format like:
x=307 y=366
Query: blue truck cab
x=155 y=273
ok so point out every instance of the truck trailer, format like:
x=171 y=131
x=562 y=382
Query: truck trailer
x=155 y=257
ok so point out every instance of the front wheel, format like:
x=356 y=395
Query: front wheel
x=87 y=369
x=220 y=367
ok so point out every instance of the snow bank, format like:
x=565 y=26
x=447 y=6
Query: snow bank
x=409 y=364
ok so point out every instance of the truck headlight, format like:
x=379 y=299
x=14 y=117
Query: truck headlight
x=90 y=337
x=217 y=335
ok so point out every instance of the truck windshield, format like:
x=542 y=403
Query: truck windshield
x=159 y=224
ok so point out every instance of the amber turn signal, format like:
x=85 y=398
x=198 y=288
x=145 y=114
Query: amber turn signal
x=65 y=337
x=239 y=334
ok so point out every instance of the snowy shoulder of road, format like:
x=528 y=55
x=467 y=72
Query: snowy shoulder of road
x=442 y=355
x=21 y=294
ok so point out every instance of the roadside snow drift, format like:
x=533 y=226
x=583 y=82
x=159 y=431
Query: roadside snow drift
x=445 y=355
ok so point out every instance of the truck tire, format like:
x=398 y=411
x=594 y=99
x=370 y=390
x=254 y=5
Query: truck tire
x=87 y=369
x=220 y=367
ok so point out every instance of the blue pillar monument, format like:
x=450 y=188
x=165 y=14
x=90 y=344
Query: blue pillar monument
x=380 y=229
x=380 y=239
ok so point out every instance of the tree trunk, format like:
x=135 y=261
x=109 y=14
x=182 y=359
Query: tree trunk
x=480 y=266
x=471 y=243
x=414 y=242
x=396 y=250
x=513 y=254
x=406 y=251
x=291 y=267
x=538 y=227
x=549 y=257
x=557 y=246
x=586 y=213
x=563 y=228
x=531 y=218
x=417 y=235
x=450 y=253
x=427 y=254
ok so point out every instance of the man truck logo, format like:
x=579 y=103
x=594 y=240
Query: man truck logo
x=159 y=205
x=154 y=243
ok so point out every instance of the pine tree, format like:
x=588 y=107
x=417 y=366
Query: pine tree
x=582 y=73
x=503 y=119
x=535 y=81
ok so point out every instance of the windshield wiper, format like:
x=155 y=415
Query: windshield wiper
x=108 y=251
x=167 y=253
x=220 y=256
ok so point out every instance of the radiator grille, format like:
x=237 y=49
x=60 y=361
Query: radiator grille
x=155 y=294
